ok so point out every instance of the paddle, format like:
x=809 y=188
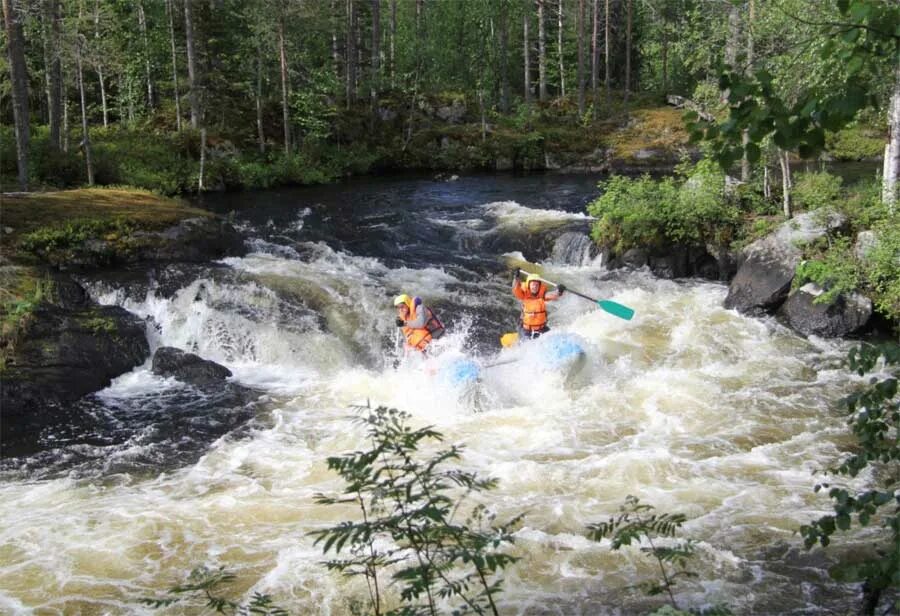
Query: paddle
x=613 y=308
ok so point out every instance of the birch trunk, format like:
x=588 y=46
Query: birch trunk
x=142 y=24
x=54 y=71
x=745 y=134
x=504 y=57
x=526 y=58
x=393 y=42
x=170 y=11
x=785 y=162
x=606 y=81
x=595 y=57
x=628 y=6
x=200 y=183
x=542 y=53
x=98 y=64
x=282 y=55
x=86 y=136
x=350 y=51
x=259 y=112
x=376 y=51
x=892 y=149
x=562 y=68
x=579 y=26
x=193 y=77
x=18 y=77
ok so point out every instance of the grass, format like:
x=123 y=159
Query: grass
x=21 y=290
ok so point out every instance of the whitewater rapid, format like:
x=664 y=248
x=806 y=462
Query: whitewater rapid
x=690 y=407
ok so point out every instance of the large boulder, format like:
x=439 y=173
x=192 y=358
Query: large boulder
x=844 y=316
x=67 y=353
x=766 y=267
x=187 y=367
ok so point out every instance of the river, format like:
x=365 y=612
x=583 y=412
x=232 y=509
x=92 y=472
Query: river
x=690 y=407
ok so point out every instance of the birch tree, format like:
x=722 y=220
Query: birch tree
x=18 y=77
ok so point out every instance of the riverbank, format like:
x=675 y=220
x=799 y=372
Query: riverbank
x=442 y=134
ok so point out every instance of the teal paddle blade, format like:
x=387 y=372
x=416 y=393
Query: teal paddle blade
x=623 y=312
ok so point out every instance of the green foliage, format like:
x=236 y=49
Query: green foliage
x=636 y=523
x=816 y=189
x=409 y=502
x=874 y=419
x=881 y=267
x=857 y=52
x=73 y=233
x=647 y=212
x=837 y=271
x=313 y=107
x=855 y=142
x=206 y=584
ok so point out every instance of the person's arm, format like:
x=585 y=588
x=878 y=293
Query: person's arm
x=421 y=317
x=552 y=296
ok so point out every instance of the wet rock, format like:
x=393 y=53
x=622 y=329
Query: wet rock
x=68 y=352
x=187 y=367
x=766 y=267
x=845 y=316
x=572 y=248
x=635 y=257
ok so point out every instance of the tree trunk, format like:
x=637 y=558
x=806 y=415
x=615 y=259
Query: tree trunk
x=731 y=43
x=285 y=109
x=784 y=161
x=376 y=51
x=504 y=57
x=142 y=24
x=665 y=54
x=54 y=71
x=606 y=80
x=200 y=183
x=393 y=43
x=579 y=26
x=86 y=136
x=170 y=11
x=350 y=54
x=193 y=77
x=99 y=64
x=526 y=57
x=595 y=58
x=65 y=115
x=892 y=150
x=18 y=77
x=628 y=4
x=542 y=53
x=562 y=68
x=259 y=111
x=745 y=134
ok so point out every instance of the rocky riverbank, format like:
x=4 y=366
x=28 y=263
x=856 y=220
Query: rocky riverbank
x=57 y=344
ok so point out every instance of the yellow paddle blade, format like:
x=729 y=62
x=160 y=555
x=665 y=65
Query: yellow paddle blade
x=508 y=340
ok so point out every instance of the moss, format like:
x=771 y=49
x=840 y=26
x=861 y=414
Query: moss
x=659 y=128
x=98 y=324
x=58 y=219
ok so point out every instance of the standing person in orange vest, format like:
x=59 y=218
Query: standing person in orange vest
x=534 y=295
x=419 y=323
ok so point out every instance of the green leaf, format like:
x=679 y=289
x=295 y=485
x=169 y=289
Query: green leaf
x=753 y=152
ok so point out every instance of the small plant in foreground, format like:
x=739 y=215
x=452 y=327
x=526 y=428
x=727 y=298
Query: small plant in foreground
x=636 y=522
x=409 y=503
x=205 y=582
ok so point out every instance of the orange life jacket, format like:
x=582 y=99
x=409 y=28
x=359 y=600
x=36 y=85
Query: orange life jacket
x=534 y=307
x=418 y=338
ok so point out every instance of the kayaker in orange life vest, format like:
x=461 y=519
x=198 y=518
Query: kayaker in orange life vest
x=534 y=295
x=419 y=323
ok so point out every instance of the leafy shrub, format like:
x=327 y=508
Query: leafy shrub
x=816 y=189
x=881 y=267
x=653 y=213
x=855 y=143
x=837 y=271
